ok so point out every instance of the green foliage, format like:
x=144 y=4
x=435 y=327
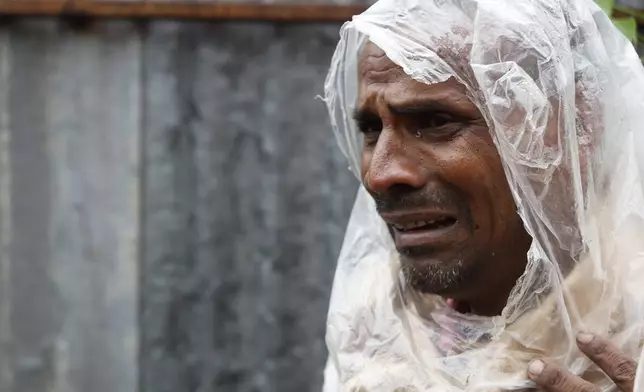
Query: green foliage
x=627 y=25
x=606 y=5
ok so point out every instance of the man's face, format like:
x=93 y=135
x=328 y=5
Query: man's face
x=435 y=174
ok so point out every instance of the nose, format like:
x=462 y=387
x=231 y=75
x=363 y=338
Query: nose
x=392 y=164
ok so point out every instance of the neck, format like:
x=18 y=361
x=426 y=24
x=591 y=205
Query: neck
x=489 y=307
x=489 y=297
x=480 y=306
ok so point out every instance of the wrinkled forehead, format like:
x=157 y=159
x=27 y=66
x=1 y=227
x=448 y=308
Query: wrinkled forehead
x=375 y=66
x=379 y=76
x=376 y=70
x=439 y=68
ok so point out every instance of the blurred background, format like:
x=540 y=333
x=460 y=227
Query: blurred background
x=172 y=200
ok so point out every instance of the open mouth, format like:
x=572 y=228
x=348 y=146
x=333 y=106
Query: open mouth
x=425 y=229
x=435 y=224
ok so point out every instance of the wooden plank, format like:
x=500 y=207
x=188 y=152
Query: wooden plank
x=183 y=10
x=74 y=159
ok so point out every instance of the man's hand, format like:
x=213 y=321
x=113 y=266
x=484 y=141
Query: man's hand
x=550 y=376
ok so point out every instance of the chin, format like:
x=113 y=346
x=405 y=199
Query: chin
x=442 y=276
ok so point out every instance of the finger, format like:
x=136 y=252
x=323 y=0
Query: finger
x=619 y=367
x=551 y=377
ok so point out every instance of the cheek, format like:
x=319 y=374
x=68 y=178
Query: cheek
x=472 y=164
x=498 y=203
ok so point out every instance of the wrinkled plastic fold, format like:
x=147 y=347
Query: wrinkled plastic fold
x=562 y=91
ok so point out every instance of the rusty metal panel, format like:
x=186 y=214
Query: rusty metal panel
x=312 y=11
x=72 y=121
x=247 y=196
x=295 y=2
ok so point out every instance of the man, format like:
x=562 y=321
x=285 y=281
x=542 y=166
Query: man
x=466 y=112
x=430 y=164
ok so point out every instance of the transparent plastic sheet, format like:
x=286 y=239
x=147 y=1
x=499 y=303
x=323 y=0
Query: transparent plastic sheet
x=562 y=92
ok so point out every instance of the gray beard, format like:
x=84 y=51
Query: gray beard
x=436 y=278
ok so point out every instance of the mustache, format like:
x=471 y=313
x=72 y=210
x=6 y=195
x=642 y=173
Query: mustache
x=399 y=199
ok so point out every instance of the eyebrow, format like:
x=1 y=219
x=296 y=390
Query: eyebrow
x=404 y=108
x=363 y=115
x=418 y=107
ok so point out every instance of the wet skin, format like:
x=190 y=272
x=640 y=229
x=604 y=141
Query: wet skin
x=435 y=174
x=431 y=165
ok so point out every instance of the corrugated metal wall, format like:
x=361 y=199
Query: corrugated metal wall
x=171 y=206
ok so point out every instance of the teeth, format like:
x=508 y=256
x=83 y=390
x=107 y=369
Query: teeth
x=413 y=225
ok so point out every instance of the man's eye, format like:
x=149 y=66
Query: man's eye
x=368 y=127
x=371 y=130
x=438 y=126
x=436 y=120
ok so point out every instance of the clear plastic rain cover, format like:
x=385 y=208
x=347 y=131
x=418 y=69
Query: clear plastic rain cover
x=573 y=160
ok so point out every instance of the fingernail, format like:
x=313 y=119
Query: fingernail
x=536 y=367
x=585 y=338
